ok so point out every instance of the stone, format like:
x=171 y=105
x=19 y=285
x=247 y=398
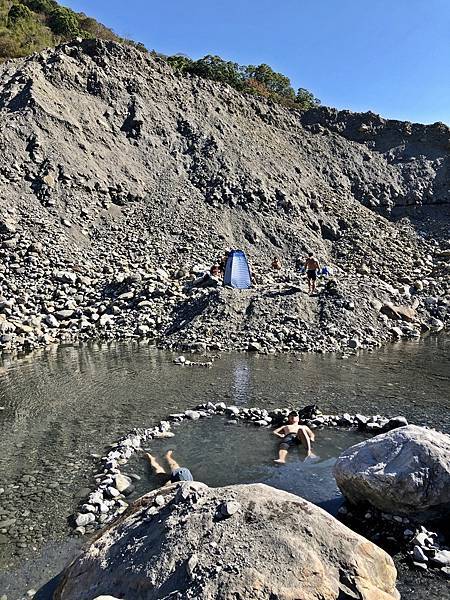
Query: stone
x=254 y=347
x=63 y=315
x=83 y=519
x=227 y=509
x=394 y=423
x=419 y=554
x=192 y=565
x=435 y=324
x=398 y=313
x=112 y=492
x=122 y=483
x=374 y=427
x=51 y=321
x=324 y=559
x=192 y=414
x=420 y=539
x=441 y=558
x=405 y=472
x=49 y=180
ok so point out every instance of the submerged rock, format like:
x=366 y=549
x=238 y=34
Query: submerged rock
x=405 y=471
x=276 y=546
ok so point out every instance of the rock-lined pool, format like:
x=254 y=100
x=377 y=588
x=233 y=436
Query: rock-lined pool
x=61 y=406
x=219 y=452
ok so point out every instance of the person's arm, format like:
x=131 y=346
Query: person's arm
x=279 y=432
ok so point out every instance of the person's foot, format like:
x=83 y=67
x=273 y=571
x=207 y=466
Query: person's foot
x=169 y=454
x=151 y=459
x=279 y=461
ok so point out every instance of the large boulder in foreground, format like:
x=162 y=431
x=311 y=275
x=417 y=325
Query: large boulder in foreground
x=405 y=471
x=246 y=541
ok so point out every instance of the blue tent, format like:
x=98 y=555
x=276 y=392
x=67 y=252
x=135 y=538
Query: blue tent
x=237 y=271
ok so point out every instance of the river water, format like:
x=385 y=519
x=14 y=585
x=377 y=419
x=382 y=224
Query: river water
x=60 y=406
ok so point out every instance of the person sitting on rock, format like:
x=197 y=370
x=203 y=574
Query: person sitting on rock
x=177 y=473
x=211 y=278
x=215 y=271
x=293 y=434
x=311 y=266
x=276 y=263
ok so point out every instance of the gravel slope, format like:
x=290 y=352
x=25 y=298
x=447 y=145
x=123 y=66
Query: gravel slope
x=120 y=180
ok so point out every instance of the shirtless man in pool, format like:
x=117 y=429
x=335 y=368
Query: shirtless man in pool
x=293 y=434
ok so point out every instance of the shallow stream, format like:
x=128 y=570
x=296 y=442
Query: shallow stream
x=60 y=406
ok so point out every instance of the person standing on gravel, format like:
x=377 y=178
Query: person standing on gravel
x=311 y=266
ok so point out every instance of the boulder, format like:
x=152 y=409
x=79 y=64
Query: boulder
x=398 y=313
x=274 y=545
x=405 y=471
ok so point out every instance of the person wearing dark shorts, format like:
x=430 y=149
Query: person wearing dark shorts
x=177 y=473
x=312 y=266
x=288 y=433
x=288 y=441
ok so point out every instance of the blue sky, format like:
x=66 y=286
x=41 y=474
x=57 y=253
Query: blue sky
x=389 y=56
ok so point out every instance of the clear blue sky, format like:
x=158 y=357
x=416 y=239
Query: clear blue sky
x=389 y=56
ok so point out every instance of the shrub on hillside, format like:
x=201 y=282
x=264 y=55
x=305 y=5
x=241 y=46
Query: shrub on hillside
x=40 y=6
x=63 y=21
x=18 y=12
x=275 y=83
x=305 y=99
x=259 y=80
x=217 y=69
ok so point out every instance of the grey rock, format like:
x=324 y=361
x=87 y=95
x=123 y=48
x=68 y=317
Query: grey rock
x=337 y=553
x=229 y=508
x=405 y=471
x=441 y=558
x=83 y=519
x=395 y=422
x=121 y=482
x=192 y=414
x=419 y=554
x=91 y=254
x=51 y=321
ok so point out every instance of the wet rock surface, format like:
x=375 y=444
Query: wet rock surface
x=223 y=556
x=104 y=225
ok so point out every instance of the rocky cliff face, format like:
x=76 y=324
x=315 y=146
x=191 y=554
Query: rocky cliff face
x=120 y=179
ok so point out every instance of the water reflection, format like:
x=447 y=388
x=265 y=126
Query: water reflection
x=241 y=383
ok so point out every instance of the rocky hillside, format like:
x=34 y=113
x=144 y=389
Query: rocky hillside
x=121 y=179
